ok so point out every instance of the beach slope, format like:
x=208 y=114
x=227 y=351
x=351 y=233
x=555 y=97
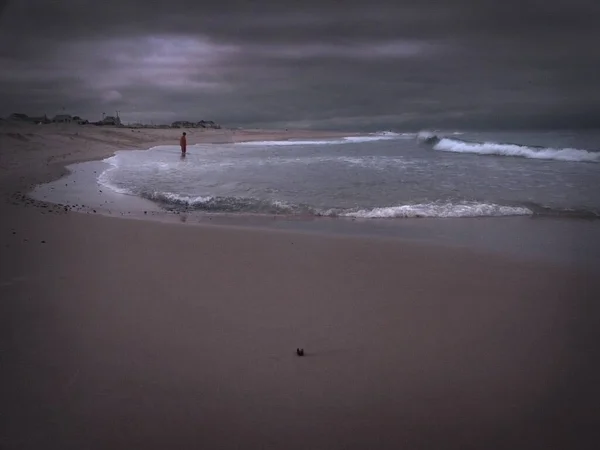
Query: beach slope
x=118 y=333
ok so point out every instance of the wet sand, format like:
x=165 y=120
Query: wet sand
x=119 y=333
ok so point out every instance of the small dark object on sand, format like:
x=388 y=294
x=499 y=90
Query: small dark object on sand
x=300 y=351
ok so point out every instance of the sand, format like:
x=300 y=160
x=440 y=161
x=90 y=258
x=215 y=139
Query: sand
x=118 y=333
x=39 y=152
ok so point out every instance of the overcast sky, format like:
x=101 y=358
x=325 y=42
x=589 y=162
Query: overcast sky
x=377 y=64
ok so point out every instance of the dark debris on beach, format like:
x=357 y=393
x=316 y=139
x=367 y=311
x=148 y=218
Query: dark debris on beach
x=21 y=199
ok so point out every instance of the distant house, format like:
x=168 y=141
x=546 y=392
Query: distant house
x=25 y=118
x=62 y=118
x=201 y=124
x=19 y=116
x=111 y=120
x=79 y=121
x=40 y=119
x=183 y=124
x=208 y=124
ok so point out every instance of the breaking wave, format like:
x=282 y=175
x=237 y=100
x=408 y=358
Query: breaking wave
x=104 y=177
x=437 y=209
x=493 y=148
x=378 y=136
x=172 y=201
x=440 y=210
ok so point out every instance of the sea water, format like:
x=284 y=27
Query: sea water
x=390 y=175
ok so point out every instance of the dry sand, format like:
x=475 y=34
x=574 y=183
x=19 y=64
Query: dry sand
x=119 y=333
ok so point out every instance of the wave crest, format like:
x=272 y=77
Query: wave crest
x=453 y=145
x=223 y=204
x=378 y=136
x=255 y=206
x=470 y=209
x=492 y=148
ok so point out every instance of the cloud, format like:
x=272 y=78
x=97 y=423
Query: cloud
x=111 y=96
x=404 y=63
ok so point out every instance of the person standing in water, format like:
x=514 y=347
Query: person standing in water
x=183 y=143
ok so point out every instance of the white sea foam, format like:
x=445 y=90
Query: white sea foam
x=389 y=133
x=425 y=135
x=104 y=177
x=492 y=148
x=171 y=197
x=471 y=209
x=290 y=142
x=376 y=162
x=449 y=210
x=223 y=204
x=282 y=205
x=119 y=190
x=351 y=139
x=378 y=136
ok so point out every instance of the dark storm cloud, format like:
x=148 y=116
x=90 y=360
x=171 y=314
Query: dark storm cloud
x=378 y=64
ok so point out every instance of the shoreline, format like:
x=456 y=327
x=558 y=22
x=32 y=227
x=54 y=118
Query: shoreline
x=521 y=237
x=102 y=142
x=494 y=236
x=145 y=334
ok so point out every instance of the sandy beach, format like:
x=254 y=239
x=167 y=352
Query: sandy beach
x=119 y=333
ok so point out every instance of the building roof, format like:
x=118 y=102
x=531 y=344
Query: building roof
x=18 y=116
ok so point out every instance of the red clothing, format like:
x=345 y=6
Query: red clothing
x=183 y=143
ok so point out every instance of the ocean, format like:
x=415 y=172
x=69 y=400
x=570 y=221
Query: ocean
x=383 y=175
